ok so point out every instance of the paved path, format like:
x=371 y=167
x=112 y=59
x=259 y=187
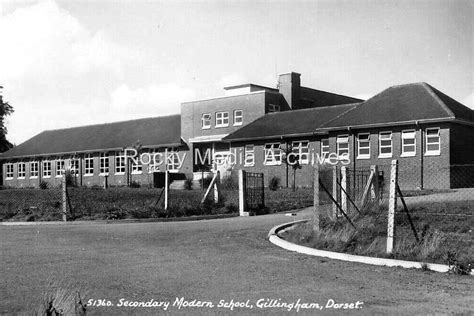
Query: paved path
x=211 y=260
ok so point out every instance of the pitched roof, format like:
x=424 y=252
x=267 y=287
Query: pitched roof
x=150 y=132
x=404 y=103
x=288 y=123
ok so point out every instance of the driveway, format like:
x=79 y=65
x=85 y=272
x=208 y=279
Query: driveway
x=226 y=260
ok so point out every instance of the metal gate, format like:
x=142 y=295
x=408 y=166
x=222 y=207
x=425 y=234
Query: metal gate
x=251 y=191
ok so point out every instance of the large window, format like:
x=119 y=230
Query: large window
x=222 y=119
x=324 y=147
x=104 y=163
x=385 y=144
x=273 y=108
x=408 y=143
x=342 y=145
x=89 y=161
x=74 y=166
x=238 y=117
x=33 y=169
x=119 y=162
x=302 y=150
x=433 y=141
x=136 y=166
x=46 y=169
x=363 y=146
x=173 y=160
x=272 y=154
x=21 y=170
x=206 y=121
x=249 y=153
x=59 y=167
x=9 y=174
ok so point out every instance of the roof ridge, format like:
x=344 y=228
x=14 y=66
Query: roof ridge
x=338 y=116
x=443 y=105
x=108 y=123
x=333 y=93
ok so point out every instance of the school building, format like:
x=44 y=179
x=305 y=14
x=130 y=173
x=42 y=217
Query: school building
x=250 y=127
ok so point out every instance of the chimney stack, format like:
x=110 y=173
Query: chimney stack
x=289 y=86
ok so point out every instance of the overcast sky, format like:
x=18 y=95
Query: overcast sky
x=66 y=64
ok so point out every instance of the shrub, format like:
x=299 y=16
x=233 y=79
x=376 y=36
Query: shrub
x=188 y=184
x=229 y=183
x=43 y=185
x=134 y=184
x=274 y=183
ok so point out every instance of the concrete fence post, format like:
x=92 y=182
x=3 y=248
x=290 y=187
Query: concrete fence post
x=242 y=197
x=344 y=188
x=316 y=208
x=375 y=194
x=392 y=206
x=334 y=191
x=166 y=187
x=217 y=187
x=64 y=197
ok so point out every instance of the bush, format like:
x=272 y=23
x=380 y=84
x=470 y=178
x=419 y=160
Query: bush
x=229 y=183
x=188 y=184
x=135 y=184
x=43 y=185
x=274 y=183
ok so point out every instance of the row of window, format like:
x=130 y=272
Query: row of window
x=104 y=159
x=273 y=151
x=222 y=119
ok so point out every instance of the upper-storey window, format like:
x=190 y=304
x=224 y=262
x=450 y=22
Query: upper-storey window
x=9 y=171
x=363 y=146
x=273 y=108
x=206 y=121
x=385 y=144
x=222 y=119
x=238 y=117
x=433 y=141
x=408 y=143
x=21 y=170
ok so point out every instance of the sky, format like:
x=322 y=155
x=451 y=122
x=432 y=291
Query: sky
x=72 y=63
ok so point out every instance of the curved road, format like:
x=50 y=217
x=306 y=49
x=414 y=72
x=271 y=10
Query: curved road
x=225 y=259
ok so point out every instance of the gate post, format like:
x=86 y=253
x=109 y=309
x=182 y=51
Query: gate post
x=242 y=198
x=64 y=196
x=316 y=208
x=344 y=191
x=217 y=187
x=392 y=205
x=334 y=191
x=375 y=185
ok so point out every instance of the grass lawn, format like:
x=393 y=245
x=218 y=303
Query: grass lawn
x=225 y=259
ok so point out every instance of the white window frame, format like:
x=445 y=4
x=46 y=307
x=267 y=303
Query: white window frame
x=429 y=152
x=301 y=148
x=172 y=161
x=206 y=119
x=89 y=165
x=222 y=119
x=154 y=166
x=120 y=164
x=60 y=163
x=74 y=166
x=272 y=150
x=10 y=171
x=104 y=164
x=240 y=117
x=137 y=168
x=21 y=170
x=249 y=155
x=272 y=108
x=408 y=135
x=382 y=137
x=325 y=148
x=34 y=169
x=47 y=171
x=363 y=144
x=342 y=140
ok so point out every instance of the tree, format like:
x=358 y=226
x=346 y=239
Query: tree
x=5 y=110
x=293 y=160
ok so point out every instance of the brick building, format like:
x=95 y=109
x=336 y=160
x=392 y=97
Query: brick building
x=417 y=124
